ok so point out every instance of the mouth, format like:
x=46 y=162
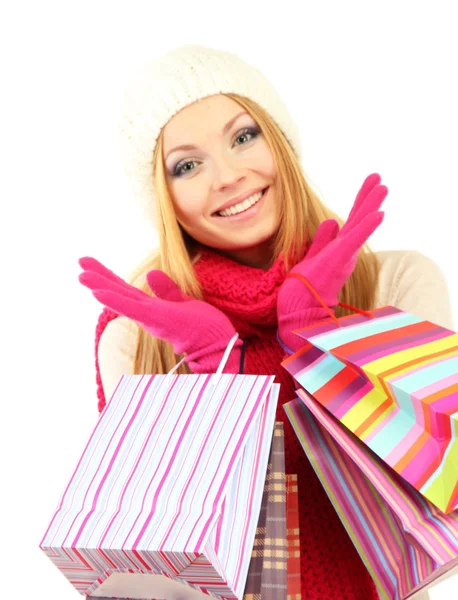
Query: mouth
x=242 y=213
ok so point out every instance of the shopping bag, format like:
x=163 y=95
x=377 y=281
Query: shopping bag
x=404 y=540
x=268 y=566
x=292 y=538
x=392 y=379
x=164 y=501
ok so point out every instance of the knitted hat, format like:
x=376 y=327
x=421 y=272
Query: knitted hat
x=163 y=87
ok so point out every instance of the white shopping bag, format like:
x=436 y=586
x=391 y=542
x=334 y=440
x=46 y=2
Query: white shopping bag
x=164 y=501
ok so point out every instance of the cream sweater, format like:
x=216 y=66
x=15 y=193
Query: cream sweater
x=409 y=280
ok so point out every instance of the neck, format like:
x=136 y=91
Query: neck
x=241 y=285
x=259 y=257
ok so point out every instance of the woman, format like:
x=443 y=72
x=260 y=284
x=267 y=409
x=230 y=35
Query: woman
x=233 y=219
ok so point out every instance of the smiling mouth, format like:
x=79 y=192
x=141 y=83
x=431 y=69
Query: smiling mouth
x=240 y=212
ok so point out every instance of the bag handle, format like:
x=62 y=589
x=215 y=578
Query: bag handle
x=173 y=369
x=223 y=362
x=225 y=358
x=322 y=302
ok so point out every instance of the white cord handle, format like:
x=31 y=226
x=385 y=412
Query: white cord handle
x=223 y=362
x=176 y=366
x=225 y=358
x=216 y=376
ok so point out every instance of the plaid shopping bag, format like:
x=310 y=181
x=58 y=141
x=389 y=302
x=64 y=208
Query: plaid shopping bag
x=267 y=574
x=292 y=538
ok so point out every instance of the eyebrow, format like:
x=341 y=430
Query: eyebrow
x=225 y=130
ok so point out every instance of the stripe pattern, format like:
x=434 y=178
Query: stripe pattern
x=392 y=381
x=268 y=567
x=169 y=483
x=292 y=539
x=403 y=539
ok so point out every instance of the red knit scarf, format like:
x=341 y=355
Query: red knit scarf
x=247 y=295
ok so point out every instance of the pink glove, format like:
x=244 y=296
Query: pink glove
x=328 y=264
x=191 y=326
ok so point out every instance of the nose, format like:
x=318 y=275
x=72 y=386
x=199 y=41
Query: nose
x=227 y=171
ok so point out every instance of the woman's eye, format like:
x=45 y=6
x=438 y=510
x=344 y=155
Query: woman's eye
x=180 y=167
x=247 y=131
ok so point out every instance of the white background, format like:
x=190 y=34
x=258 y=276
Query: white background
x=372 y=86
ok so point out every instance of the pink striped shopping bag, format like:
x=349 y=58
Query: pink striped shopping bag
x=405 y=541
x=165 y=498
x=392 y=379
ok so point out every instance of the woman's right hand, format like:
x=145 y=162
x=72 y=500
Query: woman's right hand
x=192 y=326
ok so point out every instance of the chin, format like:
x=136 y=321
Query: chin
x=243 y=243
x=245 y=238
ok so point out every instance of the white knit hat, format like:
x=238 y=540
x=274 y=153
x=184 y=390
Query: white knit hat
x=163 y=87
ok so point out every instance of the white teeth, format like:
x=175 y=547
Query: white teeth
x=238 y=208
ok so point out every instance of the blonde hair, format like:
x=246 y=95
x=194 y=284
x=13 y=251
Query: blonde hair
x=302 y=212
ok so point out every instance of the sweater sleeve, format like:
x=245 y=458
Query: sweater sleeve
x=116 y=352
x=419 y=286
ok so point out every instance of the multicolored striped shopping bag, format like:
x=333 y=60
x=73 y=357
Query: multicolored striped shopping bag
x=292 y=539
x=268 y=567
x=404 y=540
x=165 y=498
x=392 y=379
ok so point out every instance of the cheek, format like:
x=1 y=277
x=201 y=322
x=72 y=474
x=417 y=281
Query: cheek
x=266 y=163
x=186 y=213
x=188 y=206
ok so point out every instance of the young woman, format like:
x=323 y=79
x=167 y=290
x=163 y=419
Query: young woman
x=214 y=157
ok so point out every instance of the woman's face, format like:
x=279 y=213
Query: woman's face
x=214 y=182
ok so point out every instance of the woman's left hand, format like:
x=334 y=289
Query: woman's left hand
x=328 y=264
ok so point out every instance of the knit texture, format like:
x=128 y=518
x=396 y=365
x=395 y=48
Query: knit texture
x=330 y=565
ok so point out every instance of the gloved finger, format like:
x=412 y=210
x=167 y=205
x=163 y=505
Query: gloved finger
x=370 y=204
x=92 y=264
x=357 y=237
x=96 y=281
x=374 y=199
x=144 y=312
x=368 y=185
x=169 y=321
x=326 y=232
x=164 y=287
